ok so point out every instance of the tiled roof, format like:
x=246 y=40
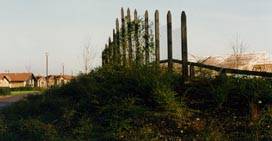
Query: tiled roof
x=17 y=77
x=244 y=61
x=67 y=77
x=40 y=77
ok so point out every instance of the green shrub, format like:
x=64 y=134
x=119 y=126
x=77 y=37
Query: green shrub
x=22 y=89
x=5 y=91
x=33 y=130
x=141 y=103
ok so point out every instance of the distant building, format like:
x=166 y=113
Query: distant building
x=53 y=80
x=41 y=81
x=263 y=67
x=215 y=61
x=15 y=80
x=245 y=61
x=4 y=82
x=63 y=79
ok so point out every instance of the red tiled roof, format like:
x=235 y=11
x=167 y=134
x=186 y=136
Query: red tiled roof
x=17 y=77
x=68 y=77
x=40 y=77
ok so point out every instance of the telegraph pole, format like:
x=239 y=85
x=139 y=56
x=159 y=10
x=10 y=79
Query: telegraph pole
x=63 y=69
x=46 y=68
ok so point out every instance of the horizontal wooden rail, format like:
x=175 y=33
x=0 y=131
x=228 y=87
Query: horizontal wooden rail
x=222 y=69
x=163 y=61
x=233 y=71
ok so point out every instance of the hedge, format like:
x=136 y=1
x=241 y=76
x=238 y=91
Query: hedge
x=22 y=89
x=5 y=91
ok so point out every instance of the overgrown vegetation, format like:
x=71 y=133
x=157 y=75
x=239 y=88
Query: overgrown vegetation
x=115 y=103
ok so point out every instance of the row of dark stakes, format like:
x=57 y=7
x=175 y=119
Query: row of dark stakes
x=122 y=51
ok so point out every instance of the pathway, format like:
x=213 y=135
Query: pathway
x=7 y=100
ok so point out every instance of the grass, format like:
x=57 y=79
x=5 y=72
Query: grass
x=13 y=93
x=27 y=92
x=143 y=104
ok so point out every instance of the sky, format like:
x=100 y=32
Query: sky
x=29 y=28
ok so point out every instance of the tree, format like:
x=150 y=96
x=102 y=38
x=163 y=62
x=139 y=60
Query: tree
x=238 y=49
x=87 y=56
x=132 y=43
x=28 y=68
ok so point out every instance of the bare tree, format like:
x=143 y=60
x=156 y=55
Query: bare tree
x=87 y=57
x=238 y=49
x=28 y=68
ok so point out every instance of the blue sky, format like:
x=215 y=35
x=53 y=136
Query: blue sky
x=29 y=28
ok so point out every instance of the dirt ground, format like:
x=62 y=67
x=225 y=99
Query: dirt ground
x=7 y=100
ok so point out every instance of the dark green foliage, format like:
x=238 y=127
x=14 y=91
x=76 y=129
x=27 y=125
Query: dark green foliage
x=5 y=91
x=132 y=44
x=27 y=89
x=142 y=103
x=103 y=105
x=225 y=103
x=22 y=89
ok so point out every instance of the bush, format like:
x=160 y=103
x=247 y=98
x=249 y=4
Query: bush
x=22 y=89
x=28 y=89
x=143 y=103
x=5 y=91
x=34 y=129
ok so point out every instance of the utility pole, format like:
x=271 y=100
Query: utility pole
x=63 y=69
x=46 y=68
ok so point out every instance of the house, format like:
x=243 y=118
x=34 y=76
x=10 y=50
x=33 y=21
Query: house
x=41 y=81
x=245 y=61
x=212 y=60
x=63 y=79
x=267 y=67
x=4 y=81
x=15 y=80
x=53 y=80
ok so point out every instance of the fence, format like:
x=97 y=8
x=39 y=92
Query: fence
x=125 y=49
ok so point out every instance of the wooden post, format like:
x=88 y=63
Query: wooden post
x=123 y=37
x=184 y=52
x=146 y=38
x=118 y=41
x=157 y=37
x=169 y=41
x=46 y=68
x=192 y=71
x=129 y=27
x=136 y=38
